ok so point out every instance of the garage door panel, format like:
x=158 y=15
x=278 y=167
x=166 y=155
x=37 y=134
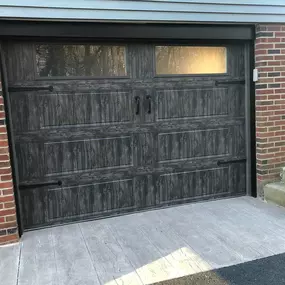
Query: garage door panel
x=73 y=156
x=84 y=108
x=31 y=157
x=191 y=103
x=238 y=146
x=69 y=202
x=144 y=144
x=34 y=209
x=26 y=110
x=236 y=100
x=49 y=205
x=235 y=59
x=238 y=178
x=41 y=160
x=193 y=144
x=20 y=60
x=194 y=184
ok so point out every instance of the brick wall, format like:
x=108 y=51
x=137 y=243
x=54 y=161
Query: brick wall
x=270 y=103
x=8 y=220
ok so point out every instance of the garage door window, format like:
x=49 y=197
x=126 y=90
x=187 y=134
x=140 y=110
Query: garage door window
x=58 y=60
x=172 y=60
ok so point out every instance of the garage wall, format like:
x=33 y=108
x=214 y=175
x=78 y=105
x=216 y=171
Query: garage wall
x=8 y=220
x=270 y=103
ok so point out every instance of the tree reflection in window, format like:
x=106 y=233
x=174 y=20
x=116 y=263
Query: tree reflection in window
x=190 y=60
x=57 y=60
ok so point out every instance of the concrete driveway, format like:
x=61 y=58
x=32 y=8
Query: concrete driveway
x=178 y=243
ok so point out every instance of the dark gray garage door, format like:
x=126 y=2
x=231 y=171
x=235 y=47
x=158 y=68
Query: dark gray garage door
x=103 y=129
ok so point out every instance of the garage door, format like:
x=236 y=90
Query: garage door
x=104 y=129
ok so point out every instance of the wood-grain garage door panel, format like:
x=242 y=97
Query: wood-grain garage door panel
x=189 y=103
x=193 y=144
x=194 y=184
x=74 y=156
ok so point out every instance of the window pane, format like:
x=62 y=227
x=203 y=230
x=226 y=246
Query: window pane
x=80 y=60
x=190 y=60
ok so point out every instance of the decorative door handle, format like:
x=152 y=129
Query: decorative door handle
x=148 y=98
x=137 y=100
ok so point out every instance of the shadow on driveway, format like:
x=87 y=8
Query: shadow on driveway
x=265 y=271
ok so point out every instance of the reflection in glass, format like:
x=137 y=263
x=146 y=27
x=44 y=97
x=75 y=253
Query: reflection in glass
x=190 y=60
x=80 y=60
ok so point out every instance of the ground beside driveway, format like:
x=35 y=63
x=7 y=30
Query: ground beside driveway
x=189 y=241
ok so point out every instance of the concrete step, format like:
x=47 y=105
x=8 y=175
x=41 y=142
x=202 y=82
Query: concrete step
x=275 y=193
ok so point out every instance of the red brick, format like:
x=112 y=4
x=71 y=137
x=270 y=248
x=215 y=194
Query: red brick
x=262 y=51
x=9 y=238
x=9 y=205
x=10 y=218
x=4 y=157
x=274 y=107
x=7 y=212
x=274 y=63
x=6 y=198
x=3 y=130
x=4 y=143
x=266 y=69
x=274 y=139
x=8 y=191
x=279 y=112
x=282 y=90
x=6 y=185
x=266 y=80
x=274 y=118
x=8 y=225
x=6 y=177
x=4 y=150
x=265 y=46
x=261 y=108
x=279 y=79
x=273 y=40
x=263 y=97
x=273 y=28
x=264 y=57
x=280 y=123
x=279 y=68
x=280 y=34
x=279 y=57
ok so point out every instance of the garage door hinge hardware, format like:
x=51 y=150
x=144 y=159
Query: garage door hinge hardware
x=223 y=162
x=38 y=185
x=218 y=83
x=32 y=88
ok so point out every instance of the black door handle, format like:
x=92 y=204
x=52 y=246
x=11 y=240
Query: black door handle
x=148 y=98
x=137 y=100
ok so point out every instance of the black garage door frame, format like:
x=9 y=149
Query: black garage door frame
x=182 y=34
